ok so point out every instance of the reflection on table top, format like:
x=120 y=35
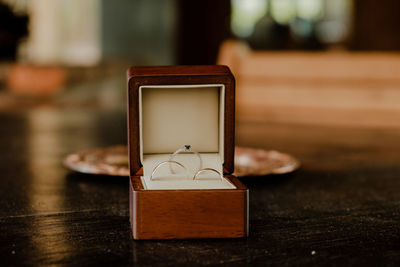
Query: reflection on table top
x=341 y=207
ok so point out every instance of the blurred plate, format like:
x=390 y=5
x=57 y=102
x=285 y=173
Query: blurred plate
x=114 y=161
x=260 y=162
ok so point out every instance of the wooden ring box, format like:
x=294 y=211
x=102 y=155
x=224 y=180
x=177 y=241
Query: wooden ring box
x=169 y=107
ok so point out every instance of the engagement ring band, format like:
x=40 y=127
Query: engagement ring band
x=208 y=169
x=167 y=162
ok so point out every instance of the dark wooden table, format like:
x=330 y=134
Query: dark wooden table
x=341 y=208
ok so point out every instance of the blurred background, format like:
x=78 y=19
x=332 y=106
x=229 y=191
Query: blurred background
x=319 y=79
x=332 y=62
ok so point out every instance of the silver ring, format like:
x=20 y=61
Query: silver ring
x=166 y=162
x=187 y=149
x=208 y=169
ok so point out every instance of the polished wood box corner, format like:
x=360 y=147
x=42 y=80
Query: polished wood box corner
x=184 y=214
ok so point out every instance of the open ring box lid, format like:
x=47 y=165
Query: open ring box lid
x=173 y=106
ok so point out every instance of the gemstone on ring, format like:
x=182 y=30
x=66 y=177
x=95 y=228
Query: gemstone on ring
x=185 y=149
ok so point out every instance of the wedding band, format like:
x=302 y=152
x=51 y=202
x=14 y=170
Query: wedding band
x=166 y=162
x=185 y=148
x=208 y=169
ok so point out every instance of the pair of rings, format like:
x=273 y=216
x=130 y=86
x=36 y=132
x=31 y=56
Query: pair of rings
x=185 y=148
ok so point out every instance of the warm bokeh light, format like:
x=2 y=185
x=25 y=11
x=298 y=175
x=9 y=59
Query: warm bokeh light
x=310 y=9
x=283 y=10
x=245 y=14
x=328 y=21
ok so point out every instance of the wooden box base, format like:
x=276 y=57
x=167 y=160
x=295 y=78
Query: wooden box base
x=179 y=214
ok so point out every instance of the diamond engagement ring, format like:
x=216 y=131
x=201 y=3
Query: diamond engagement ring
x=185 y=149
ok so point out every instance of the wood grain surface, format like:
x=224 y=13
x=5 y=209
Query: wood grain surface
x=340 y=209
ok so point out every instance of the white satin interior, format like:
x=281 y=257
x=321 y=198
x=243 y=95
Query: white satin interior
x=185 y=184
x=178 y=115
